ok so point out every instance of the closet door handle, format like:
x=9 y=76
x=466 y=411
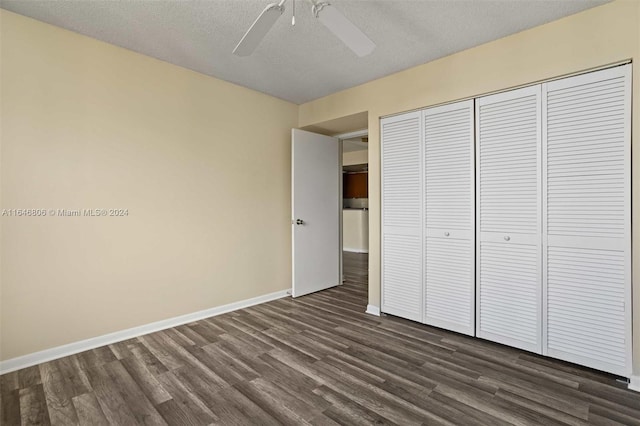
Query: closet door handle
x=446 y=234
x=507 y=238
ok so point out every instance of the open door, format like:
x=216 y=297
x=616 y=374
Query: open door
x=316 y=173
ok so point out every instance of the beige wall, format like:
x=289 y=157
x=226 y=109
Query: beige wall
x=202 y=165
x=596 y=37
x=355 y=157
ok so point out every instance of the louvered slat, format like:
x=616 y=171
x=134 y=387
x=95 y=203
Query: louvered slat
x=448 y=170
x=402 y=275
x=449 y=295
x=401 y=182
x=449 y=217
x=508 y=294
x=402 y=291
x=581 y=160
x=567 y=293
x=508 y=288
x=587 y=272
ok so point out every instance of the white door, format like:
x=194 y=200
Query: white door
x=509 y=285
x=316 y=173
x=587 y=219
x=449 y=176
x=402 y=285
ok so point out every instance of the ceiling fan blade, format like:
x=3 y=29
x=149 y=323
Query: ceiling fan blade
x=259 y=29
x=344 y=29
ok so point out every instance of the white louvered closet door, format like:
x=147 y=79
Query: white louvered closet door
x=401 y=144
x=508 y=271
x=449 y=282
x=587 y=223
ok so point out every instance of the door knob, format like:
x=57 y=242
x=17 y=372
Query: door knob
x=507 y=238
x=299 y=222
x=446 y=234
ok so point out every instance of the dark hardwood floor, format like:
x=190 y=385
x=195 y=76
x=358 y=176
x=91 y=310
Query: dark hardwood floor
x=315 y=360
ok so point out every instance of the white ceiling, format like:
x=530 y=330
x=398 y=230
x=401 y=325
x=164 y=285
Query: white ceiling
x=304 y=62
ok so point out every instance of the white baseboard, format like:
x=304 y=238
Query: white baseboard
x=107 y=339
x=373 y=310
x=355 y=250
x=634 y=383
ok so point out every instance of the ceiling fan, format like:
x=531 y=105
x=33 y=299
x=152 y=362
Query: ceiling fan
x=331 y=17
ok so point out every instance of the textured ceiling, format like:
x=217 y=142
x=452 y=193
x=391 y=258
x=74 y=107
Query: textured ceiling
x=304 y=62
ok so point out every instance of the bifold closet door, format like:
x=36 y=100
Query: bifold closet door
x=401 y=145
x=449 y=249
x=587 y=222
x=508 y=250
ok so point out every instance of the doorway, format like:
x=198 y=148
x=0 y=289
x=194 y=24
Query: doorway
x=355 y=207
x=351 y=266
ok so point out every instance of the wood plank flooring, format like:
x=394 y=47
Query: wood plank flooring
x=316 y=360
